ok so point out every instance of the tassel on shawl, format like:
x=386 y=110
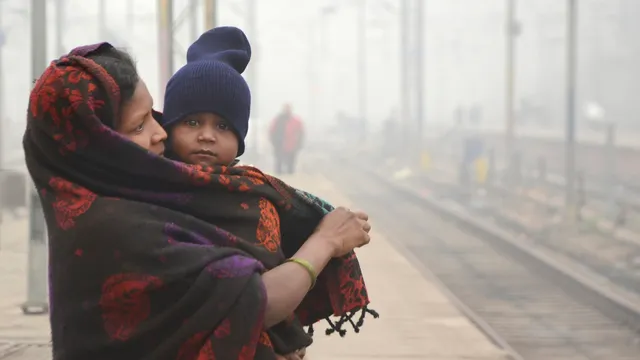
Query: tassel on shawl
x=336 y=327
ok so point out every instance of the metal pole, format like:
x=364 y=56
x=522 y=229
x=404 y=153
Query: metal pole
x=131 y=17
x=193 y=19
x=510 y=32
x=37 y=302
x=610 y=166
x=419 y=77
x=210 y=14
x=311 y=68
x=165 y=42
x=405 y=112
x=570 y=201
x=324 y=85
x=60 y=24
x=252 y=74
x=102 y=21
x=362 y=68
x=2 y=116
x=320 y=61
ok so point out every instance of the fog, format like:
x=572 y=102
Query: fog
x=431 y=103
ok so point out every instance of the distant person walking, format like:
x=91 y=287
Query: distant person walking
x=287 y=136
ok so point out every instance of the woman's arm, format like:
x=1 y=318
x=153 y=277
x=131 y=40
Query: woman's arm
x=287 y=284
x=339 y=232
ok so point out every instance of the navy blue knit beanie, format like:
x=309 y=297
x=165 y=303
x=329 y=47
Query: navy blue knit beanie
x=211 y=81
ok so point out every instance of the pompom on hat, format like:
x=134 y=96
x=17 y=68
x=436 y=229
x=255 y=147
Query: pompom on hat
x=212 y=82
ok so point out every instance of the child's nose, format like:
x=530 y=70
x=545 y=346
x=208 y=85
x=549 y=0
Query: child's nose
x=207 y=135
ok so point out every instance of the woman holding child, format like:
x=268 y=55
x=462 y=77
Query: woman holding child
x=191 y=258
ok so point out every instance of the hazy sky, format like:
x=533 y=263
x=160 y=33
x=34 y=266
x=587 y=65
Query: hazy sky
x=293 y=39
x=295 y=44
x=286 y=30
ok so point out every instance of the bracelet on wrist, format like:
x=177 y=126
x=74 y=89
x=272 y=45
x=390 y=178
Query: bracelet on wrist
x=307 y=266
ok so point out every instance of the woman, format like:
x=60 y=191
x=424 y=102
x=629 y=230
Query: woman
x=137 y=271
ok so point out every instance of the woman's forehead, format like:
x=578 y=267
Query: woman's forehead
x=141 y=102
x=142 y=94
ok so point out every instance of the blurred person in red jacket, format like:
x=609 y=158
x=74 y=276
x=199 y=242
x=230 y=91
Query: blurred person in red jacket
x=287 y=135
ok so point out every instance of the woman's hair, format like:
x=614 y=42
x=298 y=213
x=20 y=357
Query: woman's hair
x=122 y=68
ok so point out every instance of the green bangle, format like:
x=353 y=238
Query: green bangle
x=307 y=266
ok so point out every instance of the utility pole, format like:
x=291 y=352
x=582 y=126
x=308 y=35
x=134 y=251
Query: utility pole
x=311 y=68
x=252 y=73
x=60 y=24
x=572 y=27
x=131 y=18
x=210 y=14
x=511 y=31
x=37 y=301
x=322 y=60
x=103 y=33
x=405 y=104
x=318 y=59
x=165 y=42
x=362 y=68
x=193 y=19
x=419 y=78
x=2 y=115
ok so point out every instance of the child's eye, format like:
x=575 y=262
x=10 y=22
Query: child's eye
x=223 y=126
x=139 y=128
x=192 y=122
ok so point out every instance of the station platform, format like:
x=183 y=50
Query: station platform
x=14 y=325
x=417 y=320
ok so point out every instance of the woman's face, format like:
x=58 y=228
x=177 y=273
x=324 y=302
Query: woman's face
x=137 y=123
x=204 y=139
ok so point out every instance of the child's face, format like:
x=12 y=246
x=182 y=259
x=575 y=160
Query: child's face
x=204 y=139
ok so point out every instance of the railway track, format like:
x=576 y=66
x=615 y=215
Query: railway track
x=614 y=256
x=538 y=313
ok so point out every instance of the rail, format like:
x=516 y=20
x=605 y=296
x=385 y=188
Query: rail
x=528 y=295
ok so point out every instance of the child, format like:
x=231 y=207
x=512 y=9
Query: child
x=207 y=102
x=207 y=105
